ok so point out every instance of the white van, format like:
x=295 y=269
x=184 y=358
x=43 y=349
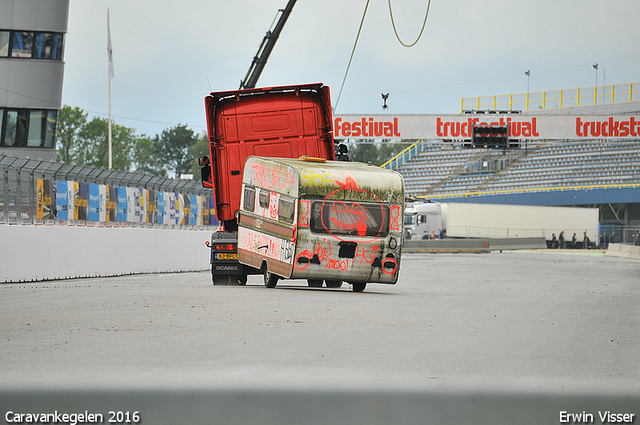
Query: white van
x=321 y=220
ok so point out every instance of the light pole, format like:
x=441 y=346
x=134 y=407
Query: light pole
x=595 y=89
x=528 y=74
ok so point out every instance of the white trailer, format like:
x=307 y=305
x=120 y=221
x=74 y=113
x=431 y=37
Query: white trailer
x=473 y=220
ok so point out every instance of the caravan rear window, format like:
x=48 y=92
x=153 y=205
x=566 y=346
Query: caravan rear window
x=286 y=209
x=249 y=199
x=349 y=218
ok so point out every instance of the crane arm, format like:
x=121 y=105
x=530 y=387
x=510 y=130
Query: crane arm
x=269 y=40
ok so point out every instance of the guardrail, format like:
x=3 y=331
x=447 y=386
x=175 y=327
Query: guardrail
x=36 y=192
x=565 y=98
x=529 y=190
x=406 y=155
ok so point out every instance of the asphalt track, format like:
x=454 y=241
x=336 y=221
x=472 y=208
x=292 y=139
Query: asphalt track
x=549 y=320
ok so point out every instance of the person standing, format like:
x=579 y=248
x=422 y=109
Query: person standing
x=585 y=241
x=561 y=240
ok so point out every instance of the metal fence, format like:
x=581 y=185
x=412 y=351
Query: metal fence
x=566 y=98
x=36 y=192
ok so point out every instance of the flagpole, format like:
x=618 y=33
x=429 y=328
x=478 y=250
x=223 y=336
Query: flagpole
x=111 y=75
x=109 y=123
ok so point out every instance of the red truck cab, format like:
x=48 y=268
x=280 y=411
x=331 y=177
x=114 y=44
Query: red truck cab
x=280 y=122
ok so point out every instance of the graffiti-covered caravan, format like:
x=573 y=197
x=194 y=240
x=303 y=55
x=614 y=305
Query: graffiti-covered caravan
x=320 y=220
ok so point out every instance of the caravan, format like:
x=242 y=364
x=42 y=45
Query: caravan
x=321 y=220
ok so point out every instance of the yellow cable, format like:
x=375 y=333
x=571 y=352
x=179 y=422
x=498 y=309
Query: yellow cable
x=421 y=31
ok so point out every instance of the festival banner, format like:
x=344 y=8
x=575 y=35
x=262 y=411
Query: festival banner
x=102 y=203
x=122 y=205
x=186 y=202
x=213 y=220
x=194 y=210
x=46 y=200
x=152 y=206
x=162 y=207
x=459 y=126
x=179 y=209
x=142 y=200
x=81 y=201
x=64 y=199
x=133 y=205
x=204 y=202
x=112 y=204
x=94 y=202
x=170 y=209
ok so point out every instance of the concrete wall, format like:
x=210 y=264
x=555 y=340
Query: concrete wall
x=473 y=245
x=626 y=251
x=32 y=253
x=36 y=15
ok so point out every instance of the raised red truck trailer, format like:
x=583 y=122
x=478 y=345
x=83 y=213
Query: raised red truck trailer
x=279 y=122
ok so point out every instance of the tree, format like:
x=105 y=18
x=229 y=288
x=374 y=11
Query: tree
x=388 y=150
x=147 y=156
x=87 y=142
x=93 y=144
x=376 y=152
x=175 y=149
x=70 y=122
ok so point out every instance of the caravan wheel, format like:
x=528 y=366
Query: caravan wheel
x=315 y=283
x=333 y=283
x=359 y=286
x=270 y=279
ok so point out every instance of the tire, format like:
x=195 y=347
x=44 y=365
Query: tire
x=359 y=286
x=270 y=279
x=333 y=283
x=315 y=283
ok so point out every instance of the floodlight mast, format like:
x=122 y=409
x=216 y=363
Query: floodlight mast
x=269 y=40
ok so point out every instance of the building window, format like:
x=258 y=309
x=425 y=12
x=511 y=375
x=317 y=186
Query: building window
x=22 y=44
x=28 y=128
x=5 y=36
x=31 y=44
x=36 y=123
x=48 y=46
x=16 y=131
x=50 y=129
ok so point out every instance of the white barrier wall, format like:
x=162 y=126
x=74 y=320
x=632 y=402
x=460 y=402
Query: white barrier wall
x=31 y=253
x=625 y=251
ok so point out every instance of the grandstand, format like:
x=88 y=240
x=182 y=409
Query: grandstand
x=599 y=172
x=435 y=172
x=568 y=172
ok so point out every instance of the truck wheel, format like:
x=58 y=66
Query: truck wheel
x=270 y=279
x=333 y=283
x=359 y=286
x=315 y=283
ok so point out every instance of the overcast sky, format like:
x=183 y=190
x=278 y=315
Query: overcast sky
x=169 y=55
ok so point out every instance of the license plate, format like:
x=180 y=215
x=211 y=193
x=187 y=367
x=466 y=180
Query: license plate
x=223 y=256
